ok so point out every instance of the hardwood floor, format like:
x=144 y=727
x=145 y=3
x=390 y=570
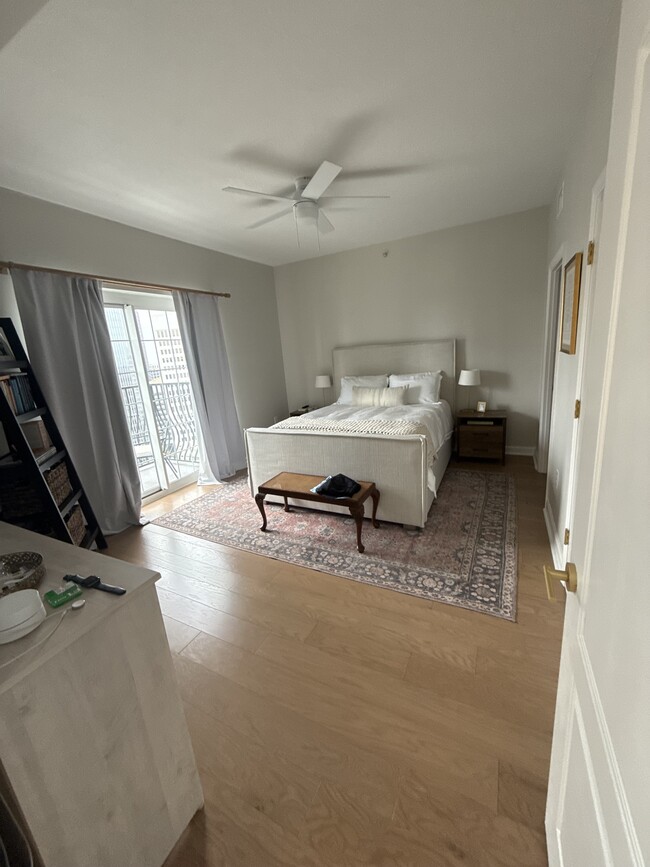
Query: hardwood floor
x=336 y=723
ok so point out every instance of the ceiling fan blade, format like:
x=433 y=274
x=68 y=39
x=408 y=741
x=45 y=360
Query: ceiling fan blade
x=324 y=176
x=256 y=193
x=271 y=218
x=331 y=198
x=324 y=225
x=384 y=172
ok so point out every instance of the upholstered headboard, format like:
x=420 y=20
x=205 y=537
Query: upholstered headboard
x=368 y=358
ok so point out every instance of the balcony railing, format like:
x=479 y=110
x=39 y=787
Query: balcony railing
x=174 y=418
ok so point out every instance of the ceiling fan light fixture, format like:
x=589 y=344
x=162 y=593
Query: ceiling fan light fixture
x=306 y=212
x=306 y=219
x=310 y=221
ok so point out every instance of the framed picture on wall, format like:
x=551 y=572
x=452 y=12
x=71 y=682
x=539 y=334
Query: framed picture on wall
x=570 y=303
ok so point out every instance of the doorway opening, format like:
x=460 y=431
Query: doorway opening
x=155 y=387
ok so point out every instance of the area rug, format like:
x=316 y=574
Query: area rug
x=466 y=555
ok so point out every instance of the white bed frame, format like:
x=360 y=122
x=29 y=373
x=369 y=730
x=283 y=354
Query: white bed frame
x=397 y=464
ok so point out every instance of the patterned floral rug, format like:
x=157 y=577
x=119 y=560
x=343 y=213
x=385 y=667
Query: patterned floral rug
x=466 y=555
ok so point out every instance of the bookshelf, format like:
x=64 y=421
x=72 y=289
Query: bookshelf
x=39 y=486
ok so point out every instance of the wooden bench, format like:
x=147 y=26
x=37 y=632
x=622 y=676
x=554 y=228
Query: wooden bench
x=298 y=487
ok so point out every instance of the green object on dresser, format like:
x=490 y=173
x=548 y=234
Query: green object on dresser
x=56 y=598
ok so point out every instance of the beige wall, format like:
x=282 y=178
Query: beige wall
x=483 y=284
x=41 y=233
x=569 y=233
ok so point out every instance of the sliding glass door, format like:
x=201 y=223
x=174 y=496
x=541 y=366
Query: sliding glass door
x=156 y=392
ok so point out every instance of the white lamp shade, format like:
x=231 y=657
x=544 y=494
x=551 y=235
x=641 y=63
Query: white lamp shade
x=323 y=382
x=470 y=377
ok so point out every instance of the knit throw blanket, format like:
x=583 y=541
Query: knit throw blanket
x=382 y=426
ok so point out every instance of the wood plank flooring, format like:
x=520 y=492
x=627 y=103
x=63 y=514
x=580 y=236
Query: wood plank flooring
x=339 y=724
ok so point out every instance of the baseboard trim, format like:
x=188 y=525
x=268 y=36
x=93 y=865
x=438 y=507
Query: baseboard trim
x=528 y=451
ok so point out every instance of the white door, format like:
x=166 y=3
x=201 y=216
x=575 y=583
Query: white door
x=598 y=810
x=590 y=278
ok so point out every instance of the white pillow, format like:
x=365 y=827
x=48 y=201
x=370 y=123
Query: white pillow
x=423 y=387
x=379 y=396
x=349 y=382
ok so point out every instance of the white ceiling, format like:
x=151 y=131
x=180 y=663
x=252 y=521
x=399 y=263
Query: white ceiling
x=142 y=110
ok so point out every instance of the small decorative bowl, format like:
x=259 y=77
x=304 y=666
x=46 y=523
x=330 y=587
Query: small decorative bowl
x=22 y=570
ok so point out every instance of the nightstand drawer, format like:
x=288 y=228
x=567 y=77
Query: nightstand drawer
x=481 y=434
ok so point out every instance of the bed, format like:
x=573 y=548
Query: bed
x=406 y=467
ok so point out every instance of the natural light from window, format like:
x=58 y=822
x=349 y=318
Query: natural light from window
x=156 y=391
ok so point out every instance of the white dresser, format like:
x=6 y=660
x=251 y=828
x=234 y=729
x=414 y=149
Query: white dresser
x=93 y=739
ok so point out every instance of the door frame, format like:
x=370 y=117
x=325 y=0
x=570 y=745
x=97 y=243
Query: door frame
x=556 y=527
x=584 y=328
x=549 y=362
x=129 y=301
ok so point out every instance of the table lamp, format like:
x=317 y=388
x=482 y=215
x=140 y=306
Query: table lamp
x=323 y=382
x=469 y=378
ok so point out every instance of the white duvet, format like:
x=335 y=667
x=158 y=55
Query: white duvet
x=436 y=418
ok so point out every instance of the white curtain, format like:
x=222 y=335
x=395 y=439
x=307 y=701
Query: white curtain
x=199 y=321
x=70 y=350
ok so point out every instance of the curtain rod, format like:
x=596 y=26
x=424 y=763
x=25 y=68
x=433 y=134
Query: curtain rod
x=6 y=266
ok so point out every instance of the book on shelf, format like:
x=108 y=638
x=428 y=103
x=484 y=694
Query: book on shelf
x=25 y=390
x=482 y=421
x=17 y=390
x=8 y=393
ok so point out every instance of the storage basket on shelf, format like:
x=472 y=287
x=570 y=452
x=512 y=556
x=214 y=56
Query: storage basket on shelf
x=76 y=525
x=58 y=482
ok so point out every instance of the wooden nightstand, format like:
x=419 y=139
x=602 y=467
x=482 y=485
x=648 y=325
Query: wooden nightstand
x=481 y=434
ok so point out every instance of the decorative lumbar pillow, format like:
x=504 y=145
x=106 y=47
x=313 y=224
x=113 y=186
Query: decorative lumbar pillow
x=349 y=382
x=422 y=387
x=379 y=396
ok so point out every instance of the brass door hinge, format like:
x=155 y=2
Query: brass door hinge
x=590 y=253
x=576 y=411
x=567 y=534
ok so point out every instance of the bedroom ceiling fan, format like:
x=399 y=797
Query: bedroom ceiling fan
x=309 y=216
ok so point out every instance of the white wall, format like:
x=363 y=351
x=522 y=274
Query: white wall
x=41 y=233
x=586 y=159
x=482 y=283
